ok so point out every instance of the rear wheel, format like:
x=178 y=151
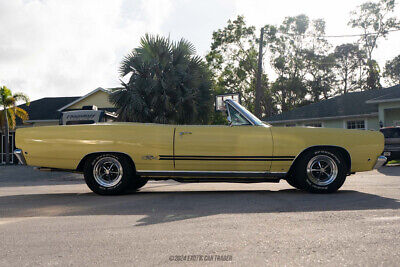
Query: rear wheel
x=108 y=174
x=321 y=171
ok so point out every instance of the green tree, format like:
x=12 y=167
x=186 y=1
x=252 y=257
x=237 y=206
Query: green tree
x=349 y=67
x=375 y=20
x=233 y=60
x=9 y=112
x=167 y=83
x=296 y=50
x=320 y=84
x=373 y=75
x=319 y=64
x=392 y=71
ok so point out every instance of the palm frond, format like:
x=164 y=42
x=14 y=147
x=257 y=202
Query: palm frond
x=167 y=84
x=9 y=101
x=4 y=94
x=21 y=113
x=11 y=118
x=186 y=46
x=21 y=97
x=2 y=120
x=126 y=64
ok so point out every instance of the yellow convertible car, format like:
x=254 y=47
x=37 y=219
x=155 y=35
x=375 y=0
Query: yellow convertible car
x=116 y=157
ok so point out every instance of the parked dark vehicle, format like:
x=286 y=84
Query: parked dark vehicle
x=392 y=143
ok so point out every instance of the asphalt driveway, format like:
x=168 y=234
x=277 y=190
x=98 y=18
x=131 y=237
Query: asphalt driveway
x=51 y=218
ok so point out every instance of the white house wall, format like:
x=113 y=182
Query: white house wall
x=371 y=123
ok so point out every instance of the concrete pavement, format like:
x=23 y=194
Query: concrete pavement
x=53 y=219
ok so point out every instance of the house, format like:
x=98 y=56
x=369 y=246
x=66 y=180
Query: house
x=48 y=110
x=369 y=110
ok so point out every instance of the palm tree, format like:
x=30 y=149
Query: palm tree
x=168 y=83
x=10 y=111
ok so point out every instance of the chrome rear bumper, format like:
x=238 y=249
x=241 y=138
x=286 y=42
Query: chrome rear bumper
x=20 y=156
x=380 y=161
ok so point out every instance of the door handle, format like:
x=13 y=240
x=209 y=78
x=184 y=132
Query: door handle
x=182 y=133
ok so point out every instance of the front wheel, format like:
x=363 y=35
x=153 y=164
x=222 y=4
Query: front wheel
x=321 y=171
x=108 y=174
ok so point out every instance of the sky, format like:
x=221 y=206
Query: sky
x=52 y=48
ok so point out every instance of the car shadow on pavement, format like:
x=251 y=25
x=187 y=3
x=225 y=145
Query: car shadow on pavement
x=17 y=175
x=162 y=207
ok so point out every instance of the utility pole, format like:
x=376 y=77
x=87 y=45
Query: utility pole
x=6 y=133
x=259 y=92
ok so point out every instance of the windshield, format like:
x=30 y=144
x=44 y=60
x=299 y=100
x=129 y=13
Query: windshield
x=249 y=116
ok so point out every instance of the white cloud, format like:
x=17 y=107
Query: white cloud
x=65 y=48
x=60 y=48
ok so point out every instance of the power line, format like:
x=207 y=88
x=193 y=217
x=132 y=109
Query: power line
x=342 y=35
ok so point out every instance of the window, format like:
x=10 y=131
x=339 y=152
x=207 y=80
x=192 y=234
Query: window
x=237 y=118
x=391 y=132
x=314 y=124
x=360 y=124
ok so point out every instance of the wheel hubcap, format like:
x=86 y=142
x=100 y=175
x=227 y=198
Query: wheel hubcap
x=322 y=170
x=107 y=172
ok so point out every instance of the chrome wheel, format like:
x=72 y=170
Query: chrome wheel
x=322 y=170
x=107 y=172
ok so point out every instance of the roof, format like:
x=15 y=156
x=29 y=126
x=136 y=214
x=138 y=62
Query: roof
x=390 y=97
x=83 y=97
x=46 y=108
x=346 y=105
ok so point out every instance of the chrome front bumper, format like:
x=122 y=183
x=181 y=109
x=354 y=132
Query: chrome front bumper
x=380 y=161
x=20 y=156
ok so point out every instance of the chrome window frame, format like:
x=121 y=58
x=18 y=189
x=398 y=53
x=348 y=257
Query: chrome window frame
x=238 y=108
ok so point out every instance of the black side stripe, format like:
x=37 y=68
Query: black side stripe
x=231 y=157
x=226 y=159
x=195 y=156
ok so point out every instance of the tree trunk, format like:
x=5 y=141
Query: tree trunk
x=6 y=133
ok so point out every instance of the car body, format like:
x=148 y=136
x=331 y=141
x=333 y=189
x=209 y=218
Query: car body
x=392 y=143
x=247 y=150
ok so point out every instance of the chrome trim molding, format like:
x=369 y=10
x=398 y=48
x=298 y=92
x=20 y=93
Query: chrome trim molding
x=20 y=156
x=226 y=158
x=380 y=161
x=206 y=174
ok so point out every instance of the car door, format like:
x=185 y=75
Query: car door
x=222 y=148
